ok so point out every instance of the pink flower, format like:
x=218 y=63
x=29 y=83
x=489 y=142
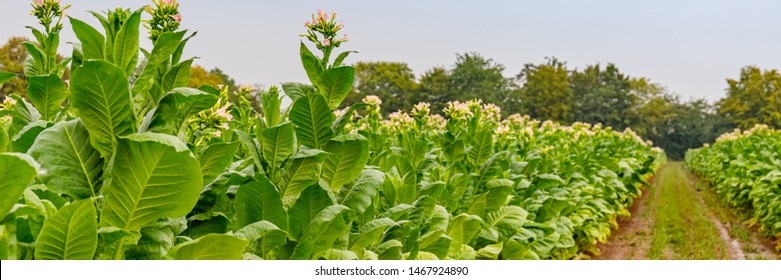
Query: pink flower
x=178 y=18
x=39 y=2
x=218 y=133
x=326 y=42
x=344 y=38
x=307 y=23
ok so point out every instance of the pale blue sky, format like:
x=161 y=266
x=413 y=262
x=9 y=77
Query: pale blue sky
x=690 y=47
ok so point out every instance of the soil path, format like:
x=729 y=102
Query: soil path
x=680 y=217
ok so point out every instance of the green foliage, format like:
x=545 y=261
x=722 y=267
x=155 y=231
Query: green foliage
x=546 y=91
x=743 y=167
x=754 y=98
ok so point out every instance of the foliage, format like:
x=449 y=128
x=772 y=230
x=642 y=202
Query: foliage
x=391 y=81
x=546 y=91
x=754 y=98
x=135 y=165
x=744 y=168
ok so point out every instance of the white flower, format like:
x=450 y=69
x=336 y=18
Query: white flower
x=372 y=100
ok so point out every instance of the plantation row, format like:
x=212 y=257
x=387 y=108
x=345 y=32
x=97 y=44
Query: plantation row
x=124 y=162
x=745 y=169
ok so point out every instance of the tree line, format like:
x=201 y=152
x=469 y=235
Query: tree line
x=595 y=94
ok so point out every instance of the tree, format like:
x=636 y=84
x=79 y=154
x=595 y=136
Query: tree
x=433 y=88
x=753 y=99
x=476 y=77
x=602 y=96
x=12 y=56
x=215 y=77
x=393 y=82
x=546 y=92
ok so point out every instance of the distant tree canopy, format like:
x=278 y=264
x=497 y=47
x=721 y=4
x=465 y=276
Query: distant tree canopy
x=215 y=77
x=12 y=56
x=594 y=94
x=754 y=98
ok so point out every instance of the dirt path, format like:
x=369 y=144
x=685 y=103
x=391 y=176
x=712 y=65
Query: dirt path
x=680 y=217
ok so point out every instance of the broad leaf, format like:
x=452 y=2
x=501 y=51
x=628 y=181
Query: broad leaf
x=47 y=94
x=312 y=64
x=73 y=167
x=297 y=90
x=71 y=234
x=16 y=173
x=92 y=42
x=152 y=176
x=101 y=97
x=178 y=76
x=26 y=137
x=314 y=199
x=126 y=44
x=267 y=235
x=257 y=201
x=5 y=77
x=359 y=196
x=302 y=172
x=328 y=226
x=215 y=158
x=347 y=156
x=313 y=119
x=277 y=143
x=335 y=83
x=210 y=247
x=165 y=45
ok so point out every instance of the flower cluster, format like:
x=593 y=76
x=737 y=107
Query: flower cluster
x=327 y=27
x=165 y=18
x=458 y=111
x=46 y=11
x=421 y=110
x=399 y=122
x=374 y=104
x=436 y=122
x=491 y=112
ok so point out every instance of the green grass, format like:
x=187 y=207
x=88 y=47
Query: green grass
x=683 y=229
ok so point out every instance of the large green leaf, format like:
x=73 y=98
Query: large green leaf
x=92 y=42
x=175 y=108
x=215 y=158
x=26 y=137
x=266 y=235
x=312 y=64
x=178 y=76
x=359 y=196
x=482 y=146
x=5 y=77
x=297 y=90
x=126 y=43
x=165 y=45
x=312 y=200
x=71 y=234
x=277 y=144
x=328 y=226
x=24 y=113
x=152 y=176
x=259 y=200
x=347 y=156
x=371 y=233
x=73 y=167
x=335 y=83
x=462 y=229
x=210 y=247
x=47 y=94
x=300 y=173
x=313 y=119
x=16 y=173
x=101 y=97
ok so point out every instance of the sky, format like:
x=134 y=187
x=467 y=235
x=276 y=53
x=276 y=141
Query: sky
x=690 y=47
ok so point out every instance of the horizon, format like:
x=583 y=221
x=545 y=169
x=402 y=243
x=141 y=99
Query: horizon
x=689 y=48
